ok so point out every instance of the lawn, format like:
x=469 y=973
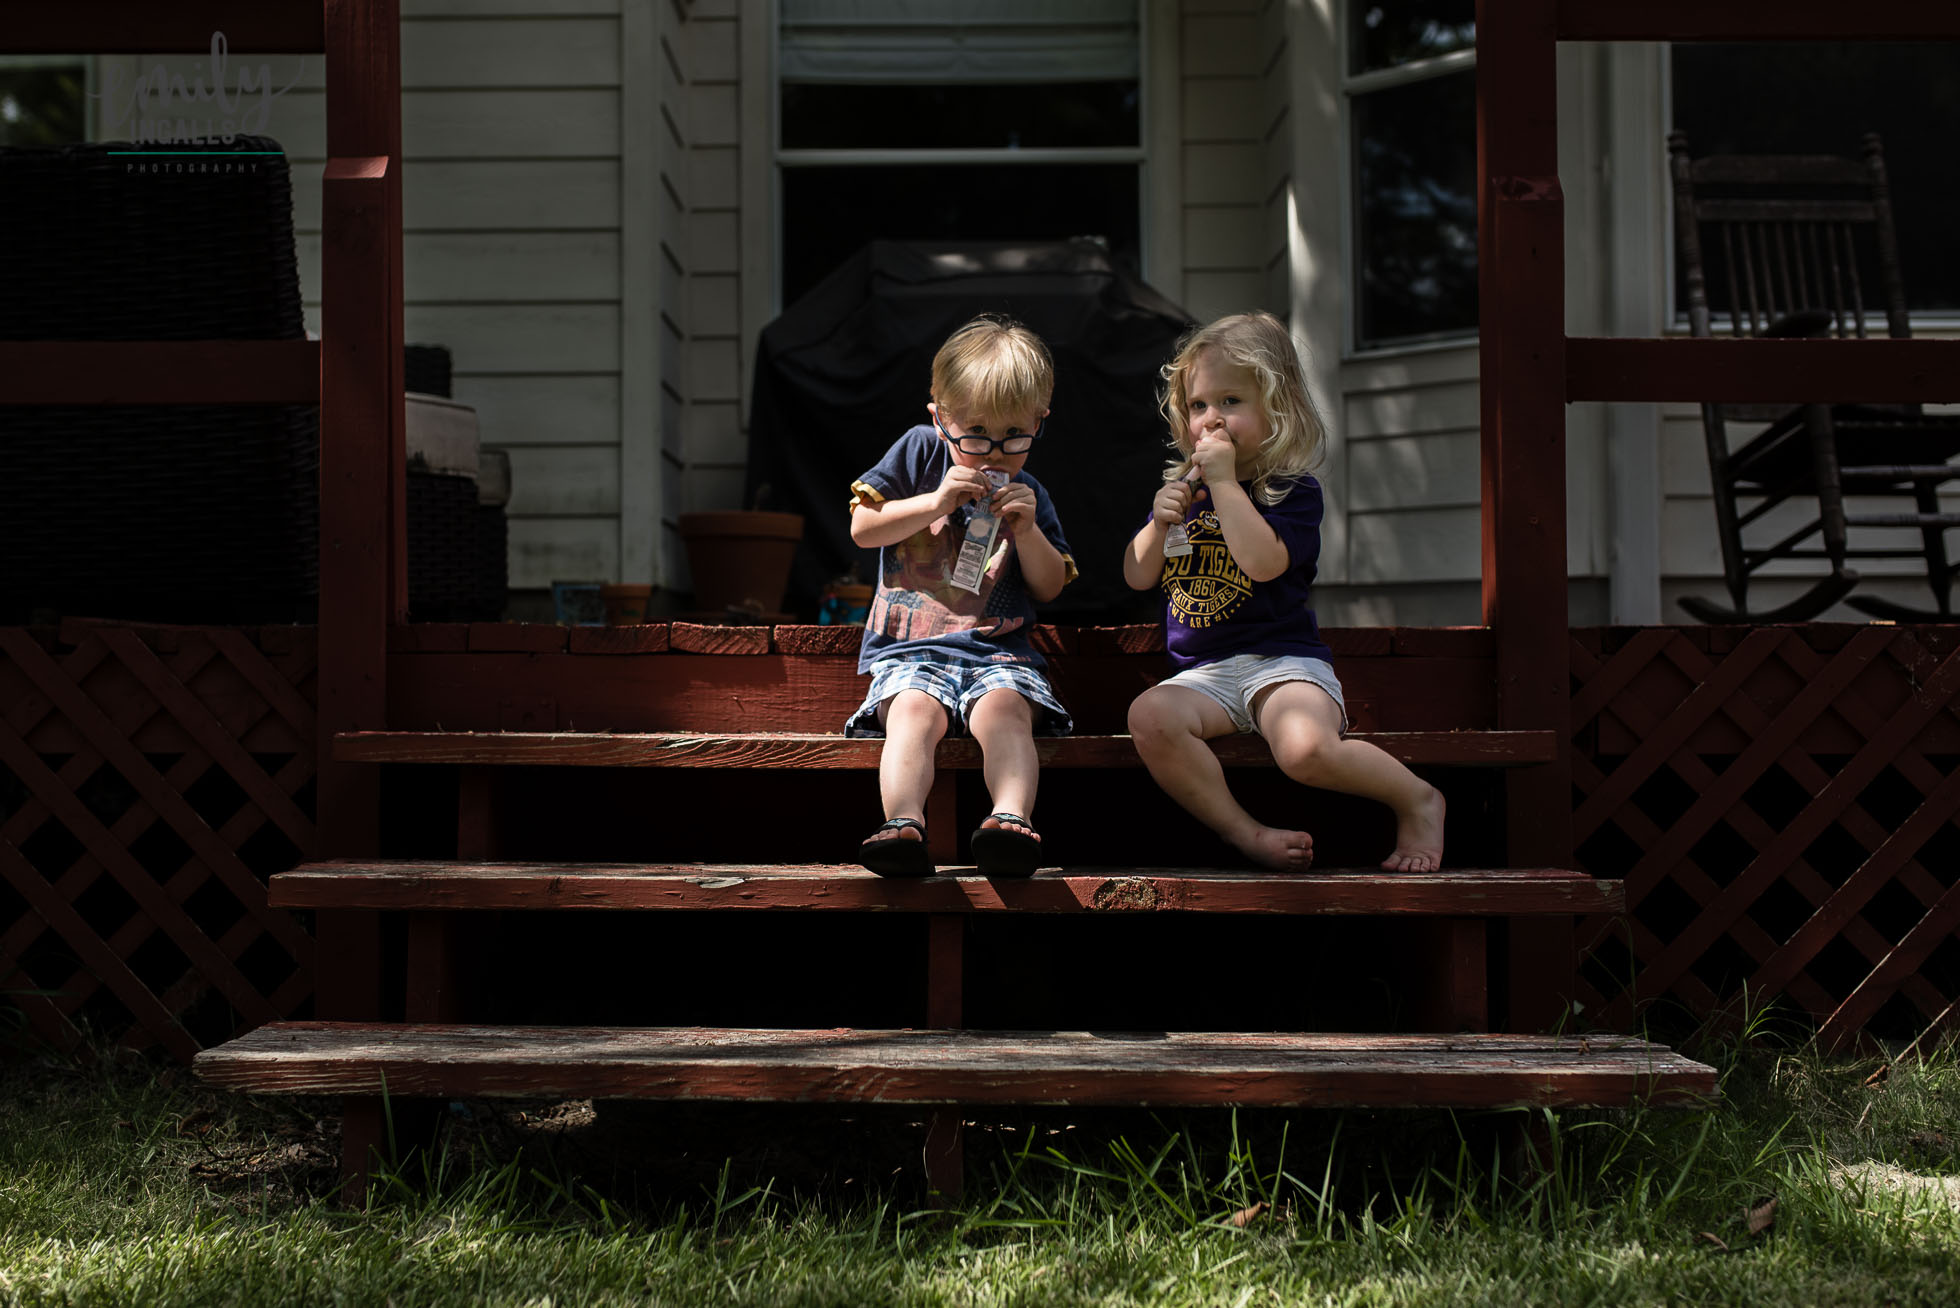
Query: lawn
x=1816 y=1182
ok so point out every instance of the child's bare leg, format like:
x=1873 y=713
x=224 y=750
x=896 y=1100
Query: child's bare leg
x=1003 y=722
x=914 y=724
x=1170 y=725
x=1302 y=724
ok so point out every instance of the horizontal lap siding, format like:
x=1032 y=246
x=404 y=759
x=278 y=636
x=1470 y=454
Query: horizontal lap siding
x=1413 y=464
x=511 y=202
x=1227 y=57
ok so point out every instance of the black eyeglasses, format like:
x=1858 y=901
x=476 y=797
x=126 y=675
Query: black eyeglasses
x=1020 y=444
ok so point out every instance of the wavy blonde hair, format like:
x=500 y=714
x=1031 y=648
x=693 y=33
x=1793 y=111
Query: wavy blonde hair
x=993 y=365
x=1259 y=343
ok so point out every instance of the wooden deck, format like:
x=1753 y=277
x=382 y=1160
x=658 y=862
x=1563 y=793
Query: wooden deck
x=413 y=886
x=791 y=750
x=1071 y=1068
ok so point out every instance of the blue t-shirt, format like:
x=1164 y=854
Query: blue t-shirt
x=1213 y=611
x=917 y=607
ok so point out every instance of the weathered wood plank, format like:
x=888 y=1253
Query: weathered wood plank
x=935 y=1067
x=249 y=25
x=1763 y=371
x=160 y=372
x=1447 y=682
x=1746 y=20
x=791 y=751
x=480 y=885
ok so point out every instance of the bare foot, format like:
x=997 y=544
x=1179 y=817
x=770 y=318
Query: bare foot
x=1283 y=851
x=1419 y=837
x=1021 y=827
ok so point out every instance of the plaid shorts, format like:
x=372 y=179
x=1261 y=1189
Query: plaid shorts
x=958 y=686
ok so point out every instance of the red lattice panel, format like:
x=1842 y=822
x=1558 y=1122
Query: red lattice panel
x=150 y=780
x=1782 y=803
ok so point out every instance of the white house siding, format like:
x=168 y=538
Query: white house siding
x=1406 y=463
x=512 y=211
x=1226 y=54
x=710 y=457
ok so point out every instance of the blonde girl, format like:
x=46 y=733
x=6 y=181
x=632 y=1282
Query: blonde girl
x=1244 y=645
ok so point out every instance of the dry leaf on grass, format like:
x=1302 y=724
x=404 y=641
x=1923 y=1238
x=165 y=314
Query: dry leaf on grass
x=1712 y=1238
x=1247 y=1216
x=1762 y=1217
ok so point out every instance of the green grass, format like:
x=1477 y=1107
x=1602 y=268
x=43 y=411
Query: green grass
x=122 y=1185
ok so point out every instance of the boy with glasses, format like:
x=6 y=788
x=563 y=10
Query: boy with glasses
x=945 y=657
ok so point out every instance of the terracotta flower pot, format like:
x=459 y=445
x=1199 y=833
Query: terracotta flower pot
x=740 y=559
x=626 y=603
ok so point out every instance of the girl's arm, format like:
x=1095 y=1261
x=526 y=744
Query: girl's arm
x=888 y=522
x=1143 y=561
x=1255 y=546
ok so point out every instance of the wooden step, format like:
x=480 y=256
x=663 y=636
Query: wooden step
x=672 y=749
x=1070 y=1068
x=442 y=885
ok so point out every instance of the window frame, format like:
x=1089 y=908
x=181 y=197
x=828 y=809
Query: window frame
x=90 y=103
x=781 y=158
x=1931 y=320
x=1351 y=85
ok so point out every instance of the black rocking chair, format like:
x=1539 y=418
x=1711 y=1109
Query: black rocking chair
x=1791 y=243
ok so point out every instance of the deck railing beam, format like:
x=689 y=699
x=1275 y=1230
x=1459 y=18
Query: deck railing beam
x=363 y=458
x=1753 y=20
x=148 y=28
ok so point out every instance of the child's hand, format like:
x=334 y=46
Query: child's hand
x=962 y=486
x=1216 y=459
x=1013 y=504
x=1172 y=503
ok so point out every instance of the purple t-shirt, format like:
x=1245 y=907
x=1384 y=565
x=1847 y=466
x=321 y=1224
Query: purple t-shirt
x=917 y=607
x=1213 y=611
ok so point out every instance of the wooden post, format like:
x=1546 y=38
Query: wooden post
x=363 y=518
x=1521 y=289
x=1452 y=991
x=363 y=566
x=945 y=985
x=943 y=818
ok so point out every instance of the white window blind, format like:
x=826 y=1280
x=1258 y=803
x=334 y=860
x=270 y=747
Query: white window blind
x=929 y=41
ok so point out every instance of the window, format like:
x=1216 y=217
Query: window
x=925 y=119
x=1410 y=80
x=43 y=101
x=1802 y=97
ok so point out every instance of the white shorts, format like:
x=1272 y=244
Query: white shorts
x=1235 y=682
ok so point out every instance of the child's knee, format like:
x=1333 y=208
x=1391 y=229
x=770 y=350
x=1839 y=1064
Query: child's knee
x=913 y=712
x=1156 y=715
x=1001 y=709
x=1303 y=754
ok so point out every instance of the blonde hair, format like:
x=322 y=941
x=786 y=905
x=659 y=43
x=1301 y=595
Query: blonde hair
x=1259 y=343
x=994 y=366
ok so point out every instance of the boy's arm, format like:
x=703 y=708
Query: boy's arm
x=1043 y=569
x=878 y=523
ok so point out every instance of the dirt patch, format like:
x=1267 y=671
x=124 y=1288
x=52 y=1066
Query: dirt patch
x=1128 y=894
x=1885 y=1178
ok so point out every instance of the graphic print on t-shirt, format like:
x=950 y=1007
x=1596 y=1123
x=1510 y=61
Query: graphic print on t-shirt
x=919 y=600
x=1206 y=585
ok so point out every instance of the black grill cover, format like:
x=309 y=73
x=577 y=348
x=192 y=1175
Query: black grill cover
x=848 y=368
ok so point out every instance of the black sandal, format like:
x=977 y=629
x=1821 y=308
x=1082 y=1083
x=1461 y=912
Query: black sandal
x=897 y=856
x=1002 y=853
